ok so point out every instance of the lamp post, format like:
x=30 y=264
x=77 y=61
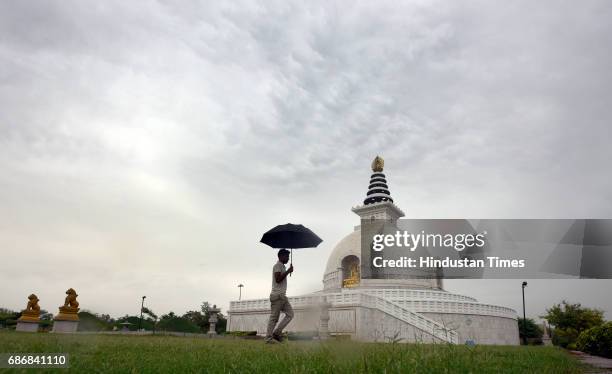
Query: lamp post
x=240 y=288
x=141 y=308
x=524 y=318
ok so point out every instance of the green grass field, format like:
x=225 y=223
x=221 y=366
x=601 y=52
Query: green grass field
x=145 y=354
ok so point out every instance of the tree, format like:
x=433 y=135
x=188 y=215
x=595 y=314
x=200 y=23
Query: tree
x=569 y=320
x=221 y=325
x=45 y=315
x=106 y=318
x=169 y=315
x=8 y=317
x=198 y=319
x=149 y=312
x=201 y=317
x=46 y=320
x=529 y=329
x=596 y=340
x=150 y=318
x=147 y=324
x=172 y=322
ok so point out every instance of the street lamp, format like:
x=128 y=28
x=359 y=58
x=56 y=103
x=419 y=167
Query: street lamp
x=141 y=308
x=240 y=288
x=524 y=318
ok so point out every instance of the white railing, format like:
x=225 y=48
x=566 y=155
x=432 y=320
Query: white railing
x=403 y=294
x=331 y=275
x=248 y=305
x=436 y=306
x=416 y=300
x=264 y=304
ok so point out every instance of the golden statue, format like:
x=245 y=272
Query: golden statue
x=354 y=277
x=69 y=311
x=71 y=300
x=378 y=164
x=32 y=311
x=33 y=304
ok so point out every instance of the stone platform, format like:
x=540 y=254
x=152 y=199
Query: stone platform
x=65 y=326
x=29 y=319
x=27 y=326
x=67 y=320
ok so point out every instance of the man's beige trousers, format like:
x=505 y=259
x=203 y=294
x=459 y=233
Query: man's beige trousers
x=279 y=303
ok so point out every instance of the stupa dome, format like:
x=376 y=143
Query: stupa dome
x=349 y=245
x=343 y=270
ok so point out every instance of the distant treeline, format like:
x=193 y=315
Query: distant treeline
x=191 y=322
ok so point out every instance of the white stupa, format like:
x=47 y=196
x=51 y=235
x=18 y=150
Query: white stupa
x=405 y=309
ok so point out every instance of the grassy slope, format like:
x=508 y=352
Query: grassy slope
x=112 y=353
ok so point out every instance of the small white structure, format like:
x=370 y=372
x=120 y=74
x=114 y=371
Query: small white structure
x=403 y=309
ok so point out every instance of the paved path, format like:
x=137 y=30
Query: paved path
x=603 y=364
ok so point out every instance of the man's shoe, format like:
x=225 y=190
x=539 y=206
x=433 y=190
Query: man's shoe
x=271 y=341
x=277 y=337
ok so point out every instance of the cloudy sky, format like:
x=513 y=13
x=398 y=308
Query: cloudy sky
x=145 y=146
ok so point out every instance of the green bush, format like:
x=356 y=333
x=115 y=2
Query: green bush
x=177 y=324
x=565 y=337
x=597 y=340
x=8 y=318
x=530 y=330
x=570 y=320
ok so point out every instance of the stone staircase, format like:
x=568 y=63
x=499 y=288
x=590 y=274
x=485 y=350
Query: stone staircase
x=419 y=321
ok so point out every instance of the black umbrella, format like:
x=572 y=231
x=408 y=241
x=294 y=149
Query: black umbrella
x=291 y=236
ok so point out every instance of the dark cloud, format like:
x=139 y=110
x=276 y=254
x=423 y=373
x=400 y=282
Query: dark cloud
x=142 y=136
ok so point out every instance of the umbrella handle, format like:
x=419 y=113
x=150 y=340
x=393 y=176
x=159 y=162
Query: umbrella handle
x=291 y=259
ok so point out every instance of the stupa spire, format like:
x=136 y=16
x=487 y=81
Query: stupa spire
x=378 y=191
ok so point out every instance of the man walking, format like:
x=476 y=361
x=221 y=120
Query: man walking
x=278 y=298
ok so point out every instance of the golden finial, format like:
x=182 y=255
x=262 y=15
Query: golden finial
x=378 y=164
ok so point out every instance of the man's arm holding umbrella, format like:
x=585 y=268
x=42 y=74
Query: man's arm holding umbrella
x=281 y=275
